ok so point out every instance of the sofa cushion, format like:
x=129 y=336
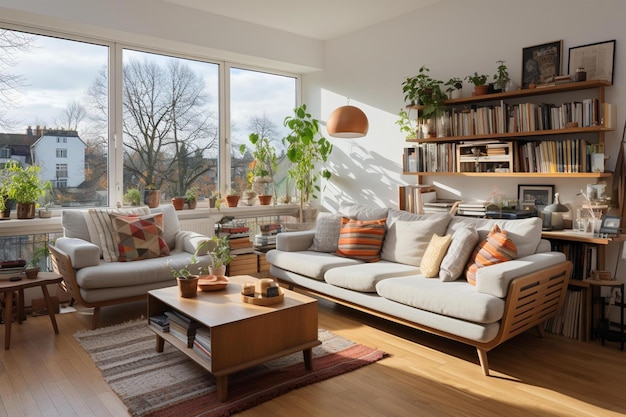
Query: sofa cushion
x=307 y=263
x=409 y=246
x=456 y=299
x=139 y=237
x=81 y=252
x=361 y=212
x=361 y=239
x=497 y=248
x=171 y=225
x=100 y=229
x=463 y=242
x=326 y=232
x=525 y=233
x=436 y=250
x=364 y=277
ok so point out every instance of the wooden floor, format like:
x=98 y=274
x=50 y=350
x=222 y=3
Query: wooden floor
x=48 y=375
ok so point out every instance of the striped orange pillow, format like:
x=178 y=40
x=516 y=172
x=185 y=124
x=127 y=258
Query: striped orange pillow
x=495 y=249
x=360 y=239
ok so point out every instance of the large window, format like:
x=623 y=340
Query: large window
x=93 y=113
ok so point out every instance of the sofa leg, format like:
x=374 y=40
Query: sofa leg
x=484 y=363
x=539 y=328
x=96 y=316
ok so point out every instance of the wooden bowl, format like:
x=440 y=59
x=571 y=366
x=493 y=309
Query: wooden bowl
x=212 y=283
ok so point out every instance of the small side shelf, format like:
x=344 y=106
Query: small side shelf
x=604 y=328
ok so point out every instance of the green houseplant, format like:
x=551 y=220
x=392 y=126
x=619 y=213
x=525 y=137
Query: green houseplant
x=407 y=125
x=25 y=187
x=221 y=256
x=305 y=148
x=479 y=81
x=186 y=279
x=454 y=87
x=191 y=197
x=501 y=77
x=132 y=197
x=424 y=90
x=265 y=162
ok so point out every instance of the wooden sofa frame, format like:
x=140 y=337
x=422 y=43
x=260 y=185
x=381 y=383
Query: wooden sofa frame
x=531 y=300
x=62 y=265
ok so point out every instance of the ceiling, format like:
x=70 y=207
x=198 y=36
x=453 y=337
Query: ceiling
x=318 y=19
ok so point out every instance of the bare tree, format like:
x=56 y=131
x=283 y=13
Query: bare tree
x=12 y=43
x=74 y=114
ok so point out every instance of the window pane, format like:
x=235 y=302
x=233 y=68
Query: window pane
x=170 y=124
x=46 y=97
x=259 y=104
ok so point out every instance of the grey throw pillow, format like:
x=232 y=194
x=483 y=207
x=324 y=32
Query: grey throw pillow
x=464 y=241
x=327 y=229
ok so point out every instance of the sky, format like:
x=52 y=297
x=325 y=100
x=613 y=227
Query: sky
x=56 y=72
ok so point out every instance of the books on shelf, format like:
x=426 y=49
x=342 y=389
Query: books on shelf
x=472 y=208
x=160 y=321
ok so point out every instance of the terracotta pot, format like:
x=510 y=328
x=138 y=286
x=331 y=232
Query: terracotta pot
x=192 y=204
x=25 y=210
x=152 y=198
x=481 y=90
x=265 y=200
x=232 y=200
x=178 y=203
x=31 y=272
x=188 y=286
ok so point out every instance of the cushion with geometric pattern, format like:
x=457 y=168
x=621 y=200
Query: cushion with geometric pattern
x=139 y=237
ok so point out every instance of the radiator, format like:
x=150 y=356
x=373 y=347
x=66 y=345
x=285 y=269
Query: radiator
x=204 y=226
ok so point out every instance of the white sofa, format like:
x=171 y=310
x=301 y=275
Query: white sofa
x=95 y=278
x=508 y=298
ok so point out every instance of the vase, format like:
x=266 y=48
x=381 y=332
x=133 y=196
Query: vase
x=456 y=93
x=178 y=203
x=218 y=271
x=25 y=210
x=152 y=198
x=188 y=286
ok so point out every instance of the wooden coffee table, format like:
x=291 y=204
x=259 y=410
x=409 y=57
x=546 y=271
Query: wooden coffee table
x=242 y=335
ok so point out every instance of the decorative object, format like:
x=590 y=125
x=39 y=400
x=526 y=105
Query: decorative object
x=139 y=382
x=178 y=202
x=260 y=300
x=132 y=197
x=532 y=196
x=479 y=81
x=31 y=272
x=597 y=59
x=553 y=215
x=25 y=187
x=45 y=212
x=306 y=147
x=347 y=122
x=188 y=286
x=501 y=77
x=214 y=282
x=264 y=165
x=191 y=197
x=610 y=226
x=541 y=63
x=152 y=197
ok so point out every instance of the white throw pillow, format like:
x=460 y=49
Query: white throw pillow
x=327 y=229
x=464 y=240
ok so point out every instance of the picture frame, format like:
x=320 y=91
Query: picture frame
x=533 y=196
x=598 y=60
x=541 y=63
x=610 y=225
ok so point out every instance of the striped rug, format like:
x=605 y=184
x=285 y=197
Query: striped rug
x=167 y=384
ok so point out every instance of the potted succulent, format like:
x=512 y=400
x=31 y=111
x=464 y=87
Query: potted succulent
x=305 y=148
x=25 y=187
x=191 y=197
x=479 y=81
x=454 y=87
x=132 y=197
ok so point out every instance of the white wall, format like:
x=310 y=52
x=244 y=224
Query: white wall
x=452 y=38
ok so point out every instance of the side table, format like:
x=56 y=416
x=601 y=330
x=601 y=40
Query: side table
x=7 y=288
x=604 y=330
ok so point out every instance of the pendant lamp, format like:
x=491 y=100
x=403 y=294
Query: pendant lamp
x=347 y=122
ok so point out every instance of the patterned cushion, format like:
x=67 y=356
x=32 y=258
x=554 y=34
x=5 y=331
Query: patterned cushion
x=326 y=233
x=436 y=250
x=101 y=229
x=361 y=239
x=497 y=248
x=464 y=241
x=139 y=237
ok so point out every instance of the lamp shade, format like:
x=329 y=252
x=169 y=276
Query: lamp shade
x=347 y=122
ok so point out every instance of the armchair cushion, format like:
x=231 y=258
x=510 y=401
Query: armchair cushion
x=101 y=231
x=81 y=252
x=139 y=237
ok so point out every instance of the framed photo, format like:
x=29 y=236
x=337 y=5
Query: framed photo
x=610 y=225
x=534 y=196
x=541 y=63
x=598 y=60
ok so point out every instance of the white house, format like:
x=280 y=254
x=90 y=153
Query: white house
x=61 y=156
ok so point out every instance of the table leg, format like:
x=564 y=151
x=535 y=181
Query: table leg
x=222 y=387
x=308 y=359
x=160 y=344
x=50 y=308
x=20 y=306
x=8 y=318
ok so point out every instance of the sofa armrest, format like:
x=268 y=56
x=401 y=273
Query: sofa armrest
x=295 y=241
x=189 y=241
x=495 y=279
x=81 y=252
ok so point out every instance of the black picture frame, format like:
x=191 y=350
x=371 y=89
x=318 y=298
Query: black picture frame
x=534 y=196
x=598 y=60
x=610 y=225
x=541 y=63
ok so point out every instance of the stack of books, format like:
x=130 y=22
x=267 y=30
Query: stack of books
x=266 y=240
x=439 y=206
x=182 y=327
x=472 y=208
x=202 y=343
x=238 y=238
x=161 y=322
x=11 y=268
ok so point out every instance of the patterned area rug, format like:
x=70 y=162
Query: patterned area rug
x=170 y=384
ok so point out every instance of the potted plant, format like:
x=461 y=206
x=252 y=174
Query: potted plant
x=178 y=202
x=151 y=196
x=424 y=90
x=305 y=147
x=265 y=162
x=407 y=125
x=479 y=81
x=25 y=187
x=232 y=199
x=186 y=279
x=132 y=197
x=501 y=77
x=454 y=87
x=191 y=197
x=221 y=256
